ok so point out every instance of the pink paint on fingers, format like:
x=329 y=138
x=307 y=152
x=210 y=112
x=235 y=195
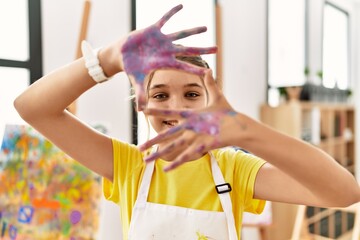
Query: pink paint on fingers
x=196 y=50
x=160 y=137
x=168 y=15
x=208 y=123
x=167 y=113
x=205 y=122
x=176 y=163
x=146 y=51
x=158 y=154
x=186 y=33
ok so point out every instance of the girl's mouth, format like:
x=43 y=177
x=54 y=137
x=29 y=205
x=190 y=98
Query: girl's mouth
x=170 y=123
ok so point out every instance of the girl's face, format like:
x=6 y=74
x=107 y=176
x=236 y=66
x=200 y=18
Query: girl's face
x=174 y=90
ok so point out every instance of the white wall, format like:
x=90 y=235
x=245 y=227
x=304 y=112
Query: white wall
x=244 y=53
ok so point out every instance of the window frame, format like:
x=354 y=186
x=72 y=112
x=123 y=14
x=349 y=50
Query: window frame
x=306 y=46
x=337 y=7
x=34 y=63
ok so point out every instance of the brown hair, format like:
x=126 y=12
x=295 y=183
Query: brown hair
x=194 y=60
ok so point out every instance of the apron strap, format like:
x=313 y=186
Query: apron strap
x=224 y=198
x=145 y=183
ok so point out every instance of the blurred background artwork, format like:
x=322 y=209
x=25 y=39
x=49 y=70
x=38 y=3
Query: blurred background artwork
x=44 y=194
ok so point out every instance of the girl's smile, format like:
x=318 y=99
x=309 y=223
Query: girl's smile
x=171 y=123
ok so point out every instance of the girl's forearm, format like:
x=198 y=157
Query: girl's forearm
x=54 y=92
x=310 y=166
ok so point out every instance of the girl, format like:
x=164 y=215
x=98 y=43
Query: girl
x=208 y=187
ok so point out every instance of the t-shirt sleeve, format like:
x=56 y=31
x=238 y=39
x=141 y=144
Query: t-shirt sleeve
x=248 y=167
x=125 y=158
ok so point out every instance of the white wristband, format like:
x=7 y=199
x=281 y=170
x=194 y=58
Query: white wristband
x=92 y=62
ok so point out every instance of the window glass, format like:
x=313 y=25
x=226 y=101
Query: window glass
x=335 y=48
x=13 y=81
x=286 y=43
x=14 y=28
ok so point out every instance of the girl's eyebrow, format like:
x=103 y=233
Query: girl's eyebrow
x=158 y=86
x=167 y=86
x=193 y=85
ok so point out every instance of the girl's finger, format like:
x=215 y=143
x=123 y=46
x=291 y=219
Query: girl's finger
x=189 y=154
x=211 y=86
x=188 y=67
x=168 y=15
x=175 y=146
x=167 y=113
x=186 y=33
x=140 y=97
x=189 y=51
x=172 y=132
x=177 y=163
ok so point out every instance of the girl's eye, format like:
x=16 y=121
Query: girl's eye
x=160 y=96
x=192 y=94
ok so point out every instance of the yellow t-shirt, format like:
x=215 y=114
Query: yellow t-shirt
x=191 y=185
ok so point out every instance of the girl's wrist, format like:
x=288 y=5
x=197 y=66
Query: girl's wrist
x=245 y=129
x=110 y=60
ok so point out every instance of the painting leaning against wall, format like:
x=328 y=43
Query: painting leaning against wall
x=44 y=194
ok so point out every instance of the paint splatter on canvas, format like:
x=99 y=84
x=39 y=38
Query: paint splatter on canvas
x=44 y=194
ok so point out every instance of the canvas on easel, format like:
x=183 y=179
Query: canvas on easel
x=44 y=194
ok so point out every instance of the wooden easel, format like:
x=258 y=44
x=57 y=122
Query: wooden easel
x=82 y=36
x=219 y=41
x=302 y=223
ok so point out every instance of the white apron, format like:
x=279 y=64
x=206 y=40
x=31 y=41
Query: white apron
x=165 y=222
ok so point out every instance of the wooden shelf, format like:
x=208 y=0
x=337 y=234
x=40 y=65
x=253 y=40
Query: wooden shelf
x=331 y=127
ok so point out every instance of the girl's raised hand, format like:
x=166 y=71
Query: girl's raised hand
x=200 y=130
x=149 y=49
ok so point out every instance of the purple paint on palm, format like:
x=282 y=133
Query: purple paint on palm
x=150 y=49
x=145 y=52
x=204 y=123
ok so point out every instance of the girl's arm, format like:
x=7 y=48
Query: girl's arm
x=295 y=172
x=43 y=106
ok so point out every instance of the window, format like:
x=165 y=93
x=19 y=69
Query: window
x=286 y=45
x=335 y=47
x=20 y=52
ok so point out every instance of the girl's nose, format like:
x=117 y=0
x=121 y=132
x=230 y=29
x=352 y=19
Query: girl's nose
x=177 y=103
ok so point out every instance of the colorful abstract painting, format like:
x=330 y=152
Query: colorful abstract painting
x=44 y=194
